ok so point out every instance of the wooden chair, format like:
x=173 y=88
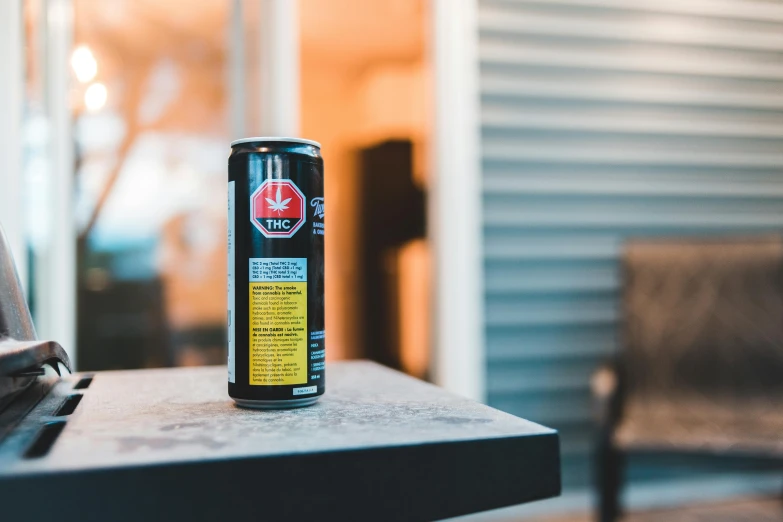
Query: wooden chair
x=700 y=366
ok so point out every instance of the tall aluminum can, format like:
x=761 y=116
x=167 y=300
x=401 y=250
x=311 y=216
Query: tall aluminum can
x=276 y=343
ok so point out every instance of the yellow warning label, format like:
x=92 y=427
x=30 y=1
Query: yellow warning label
x=278 y=333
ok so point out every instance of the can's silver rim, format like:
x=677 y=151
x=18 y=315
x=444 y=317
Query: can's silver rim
x=275 y=139
x=276 y=405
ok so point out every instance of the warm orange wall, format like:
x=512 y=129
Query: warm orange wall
x=328 y=115
x=351 y=100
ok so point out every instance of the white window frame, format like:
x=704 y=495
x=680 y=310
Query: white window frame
x=455 y=202
x=55 y=289
x=11 y=104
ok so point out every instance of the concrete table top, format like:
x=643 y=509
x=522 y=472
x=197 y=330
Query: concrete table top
x=170 y=444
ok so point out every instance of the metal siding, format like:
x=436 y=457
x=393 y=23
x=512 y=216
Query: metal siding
x=602 y=120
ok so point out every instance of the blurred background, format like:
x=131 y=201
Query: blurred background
x=487 y=165
x=155 y=94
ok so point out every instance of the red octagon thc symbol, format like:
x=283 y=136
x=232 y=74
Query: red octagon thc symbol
x=277 y=208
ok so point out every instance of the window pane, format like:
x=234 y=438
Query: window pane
x=151 y=131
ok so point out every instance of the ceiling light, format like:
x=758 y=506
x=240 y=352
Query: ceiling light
x=95 y=97
x=84 y=64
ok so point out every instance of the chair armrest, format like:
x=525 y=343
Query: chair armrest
x=607 y=396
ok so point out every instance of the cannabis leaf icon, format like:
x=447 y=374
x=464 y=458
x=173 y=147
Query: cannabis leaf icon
x=278 y=205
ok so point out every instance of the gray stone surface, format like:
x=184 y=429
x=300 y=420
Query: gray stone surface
x=378 y=431
x=132 y=417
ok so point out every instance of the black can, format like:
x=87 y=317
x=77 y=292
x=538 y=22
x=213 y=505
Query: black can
x=276 y=343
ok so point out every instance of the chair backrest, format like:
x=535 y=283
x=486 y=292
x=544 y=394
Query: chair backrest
x=703 y=320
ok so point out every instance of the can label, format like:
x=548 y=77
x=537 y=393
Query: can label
x=278 y=321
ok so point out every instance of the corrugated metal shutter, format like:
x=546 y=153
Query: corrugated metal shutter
x=601 y=120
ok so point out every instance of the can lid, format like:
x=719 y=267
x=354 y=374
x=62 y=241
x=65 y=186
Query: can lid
x=275 y=139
